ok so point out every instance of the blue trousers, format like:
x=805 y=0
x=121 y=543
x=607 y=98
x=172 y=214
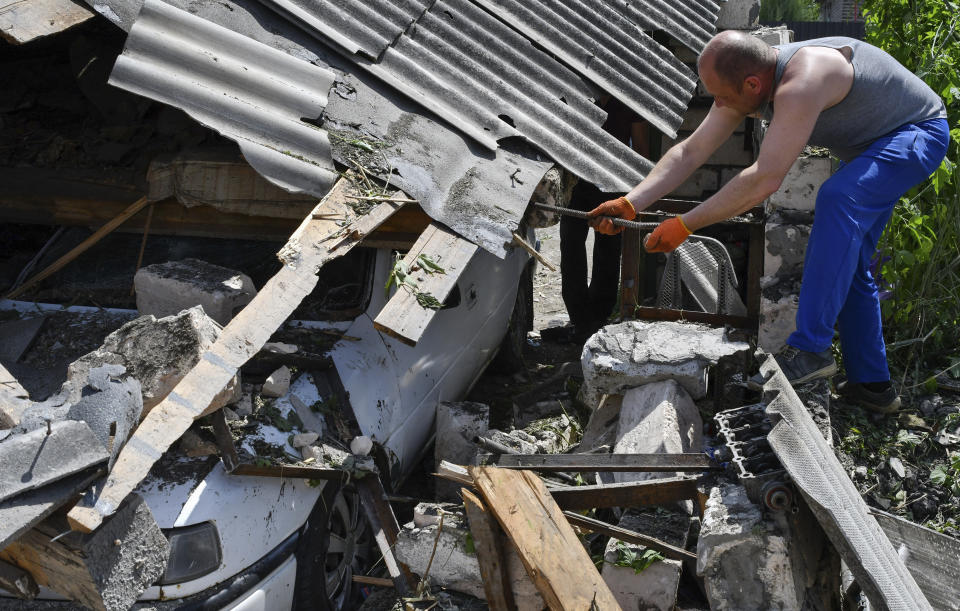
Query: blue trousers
x=853 y=206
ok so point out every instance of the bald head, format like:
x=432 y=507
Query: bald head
x=733 y=56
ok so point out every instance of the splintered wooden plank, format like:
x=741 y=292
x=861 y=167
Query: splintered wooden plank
x=318 y=239
x=80 y=248
x=54 y=565
x=23 y=20
x=554 y=558
x=13 y=400
x=403 y=317
x=932 y=558
x=488 y=542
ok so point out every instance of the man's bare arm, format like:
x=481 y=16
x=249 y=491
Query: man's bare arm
x=798 y=105
x=684 y=157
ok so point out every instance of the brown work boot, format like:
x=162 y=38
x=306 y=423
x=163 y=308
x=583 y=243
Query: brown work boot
x=885 y=401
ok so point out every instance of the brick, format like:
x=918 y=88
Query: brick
x=778 y=319
x=730 y=153
x=704 y=180
x=784 y=248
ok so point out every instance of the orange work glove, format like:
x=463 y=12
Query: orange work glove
x=620 y=207
x=667 y=236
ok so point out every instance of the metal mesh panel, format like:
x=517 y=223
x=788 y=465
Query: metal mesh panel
x=834 y=500
x=703 y=265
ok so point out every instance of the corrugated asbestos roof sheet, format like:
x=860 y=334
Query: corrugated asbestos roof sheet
x=487 y=77
x=355 y=25
x=605 y=46
x=450 y=63
x=257 y=96
x=461 y=62
x=692 y=22
x=248 y=92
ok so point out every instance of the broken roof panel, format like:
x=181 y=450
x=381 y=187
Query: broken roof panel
x=356 y=25
x=609 y=49
x=479 y=194
x=247 y=91
x=457 y=182
x=691 y=23
x=453 y=69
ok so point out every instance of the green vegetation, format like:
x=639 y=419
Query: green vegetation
x=772 y=11
x=401 y=277
x=919 y=254
x=627 y=557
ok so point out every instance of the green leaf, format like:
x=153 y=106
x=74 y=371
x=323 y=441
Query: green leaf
x=939 y=475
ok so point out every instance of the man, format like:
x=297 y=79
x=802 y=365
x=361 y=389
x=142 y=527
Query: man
x=590 y=304
x=883 y=122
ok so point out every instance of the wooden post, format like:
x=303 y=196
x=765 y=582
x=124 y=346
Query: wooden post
x=629 y=272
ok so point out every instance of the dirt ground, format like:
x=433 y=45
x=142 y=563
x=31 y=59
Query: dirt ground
x=548 y=310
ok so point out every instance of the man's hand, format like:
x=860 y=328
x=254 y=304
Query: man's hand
x=620 y=207
x=667 y=236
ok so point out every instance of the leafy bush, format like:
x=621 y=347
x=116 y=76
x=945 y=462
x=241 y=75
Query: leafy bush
x=772 y=11
x=919 y=254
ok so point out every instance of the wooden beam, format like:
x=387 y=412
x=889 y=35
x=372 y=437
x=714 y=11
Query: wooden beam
x=54 y=565
x=488 y=541
x=403 y=317
x=553 y=555
x=22 y=22
x=80 y=248
x=41 y=197
x=670 y=551
x=637 y=463
x=454 y=473
x=385 y=529
x=626 y=494
x=18 y=582
x=315 y=242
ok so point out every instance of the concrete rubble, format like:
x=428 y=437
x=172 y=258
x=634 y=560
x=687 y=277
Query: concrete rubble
x=632 y=353
x=158 y=352
x=635 y=585
x=458 y=426
x=168 y=288
x=455 y=567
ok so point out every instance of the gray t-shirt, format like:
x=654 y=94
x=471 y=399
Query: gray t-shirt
x=884 y=96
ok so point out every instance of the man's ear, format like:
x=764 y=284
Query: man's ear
x=752 y=83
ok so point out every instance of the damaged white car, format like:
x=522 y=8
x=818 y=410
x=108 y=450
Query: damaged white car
x=266 y=543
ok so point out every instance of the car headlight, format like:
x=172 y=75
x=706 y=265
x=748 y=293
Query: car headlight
x=194 y=552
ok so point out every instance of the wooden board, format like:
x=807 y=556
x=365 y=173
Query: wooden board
x=18 y=582
x=933 y=559
x=315 y=242
x=14 y=400
x=54 y=565
x=554 y=558
x=487 y=539
x=24 y=20
x=626 y=494
x=403 y=317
